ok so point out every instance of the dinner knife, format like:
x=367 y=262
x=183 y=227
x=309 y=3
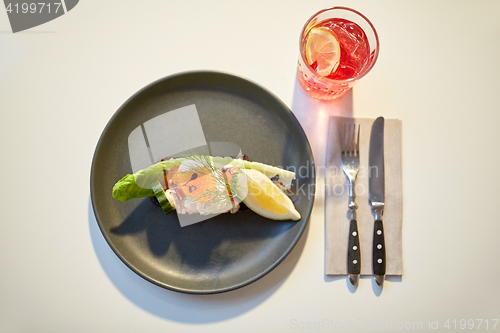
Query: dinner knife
x=376 y=197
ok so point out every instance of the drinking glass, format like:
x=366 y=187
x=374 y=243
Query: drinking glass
x=327 y=88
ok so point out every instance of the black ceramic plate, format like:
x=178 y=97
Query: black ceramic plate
x=230 y=250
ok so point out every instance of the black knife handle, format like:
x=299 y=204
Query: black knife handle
x=378 y=249
x=353 y=250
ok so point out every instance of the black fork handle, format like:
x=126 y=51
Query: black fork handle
x=353 y=250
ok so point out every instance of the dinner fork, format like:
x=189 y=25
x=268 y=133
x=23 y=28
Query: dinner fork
x=350 y=165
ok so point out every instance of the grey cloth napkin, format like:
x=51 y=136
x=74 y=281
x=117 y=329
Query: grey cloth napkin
x=337 y=196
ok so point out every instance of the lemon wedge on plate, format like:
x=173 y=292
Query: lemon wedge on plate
x=266 y=199
x=322 y=51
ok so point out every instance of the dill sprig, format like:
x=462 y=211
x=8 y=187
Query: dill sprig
x=222 y=191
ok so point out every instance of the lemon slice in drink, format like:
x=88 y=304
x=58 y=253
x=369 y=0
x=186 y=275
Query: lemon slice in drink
x=322 y=48
x=266 y=199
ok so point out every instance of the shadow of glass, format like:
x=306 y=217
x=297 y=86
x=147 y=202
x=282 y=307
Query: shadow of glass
x=313 y=114
x=188 y=308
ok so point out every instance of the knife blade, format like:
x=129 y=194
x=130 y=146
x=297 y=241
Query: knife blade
x=376 y=195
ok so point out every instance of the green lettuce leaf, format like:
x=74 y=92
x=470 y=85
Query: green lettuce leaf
x=140 y=184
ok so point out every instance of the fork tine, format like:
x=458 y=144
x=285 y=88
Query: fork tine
x=348 y=140
x=351 y=139
x=357 y=141
x=344 y=140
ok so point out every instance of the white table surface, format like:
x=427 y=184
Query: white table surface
x=438 y=71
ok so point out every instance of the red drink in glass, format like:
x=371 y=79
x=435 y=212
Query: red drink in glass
x=338 y=46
